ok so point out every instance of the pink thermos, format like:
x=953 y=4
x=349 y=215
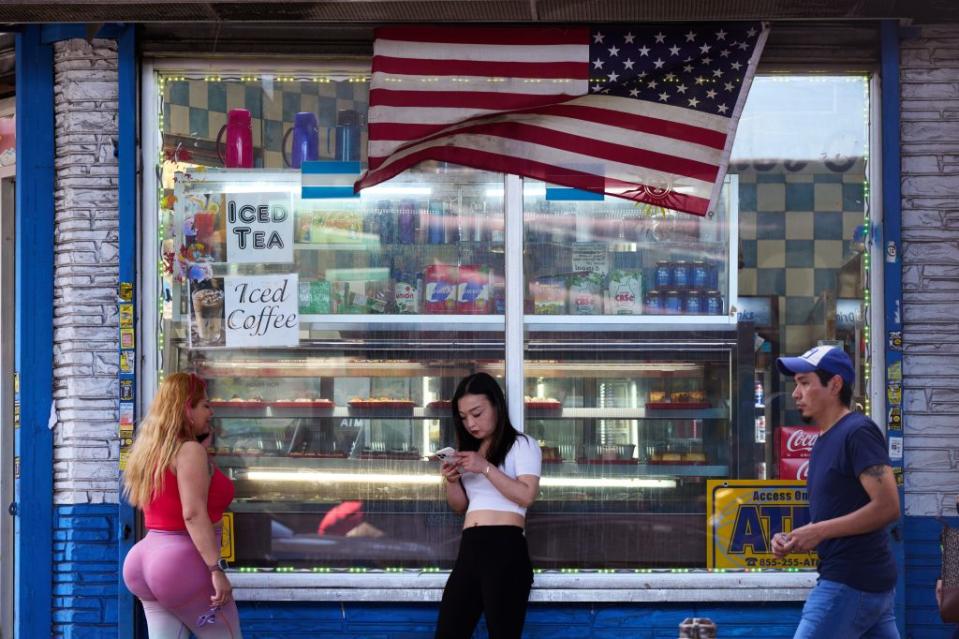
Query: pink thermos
x=239 y=140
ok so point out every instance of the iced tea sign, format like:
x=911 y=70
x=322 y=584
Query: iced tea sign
x=259 y=227
x=744 y=514
x=261 y=310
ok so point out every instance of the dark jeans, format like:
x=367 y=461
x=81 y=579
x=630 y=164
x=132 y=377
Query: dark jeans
x=492 y=575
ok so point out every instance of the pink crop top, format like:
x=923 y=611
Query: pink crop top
x=165 y=511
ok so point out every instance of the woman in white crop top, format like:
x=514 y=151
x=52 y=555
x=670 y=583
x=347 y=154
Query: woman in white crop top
x=494 y=479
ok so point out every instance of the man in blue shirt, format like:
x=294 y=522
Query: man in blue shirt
x=852 y=498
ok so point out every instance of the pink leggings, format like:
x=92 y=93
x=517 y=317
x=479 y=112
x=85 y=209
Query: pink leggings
x=166 y=572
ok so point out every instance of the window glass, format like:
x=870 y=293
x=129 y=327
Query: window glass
x=650 y=336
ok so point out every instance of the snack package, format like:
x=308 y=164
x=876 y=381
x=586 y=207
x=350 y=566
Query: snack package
x=406 y=293
x=549 y=295
x=586 y=294
x=377 y=296
x=473 y=291
x=349 y=298
x=440 y=284
x=624 y=293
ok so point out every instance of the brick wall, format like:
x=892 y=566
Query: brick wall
x=930 y=226
x=85 y=314
x=85 y=565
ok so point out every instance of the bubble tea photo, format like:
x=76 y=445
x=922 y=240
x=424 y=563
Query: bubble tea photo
x=207 y=317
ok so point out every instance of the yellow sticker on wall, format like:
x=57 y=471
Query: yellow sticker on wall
x=227 y=546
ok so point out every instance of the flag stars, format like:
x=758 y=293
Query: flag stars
x=707 y=60
x=750 y=33
x=693 y=102
x=729 y=86
x=722 y=108
x=597 y=63
x=717 y=73
x=688 y=68
x=597 y=38
x=628 y=63
x=674 y=50
x=629 y=37
x=658 y=63
x=736 y=66
x=690 y=37
x=724 y=53
x=663 y=97
x=700 y=80
x=652 y=84
x=743 y=46
x=643 y=50
x=705 y=48
x=681 y=88
x=721 y=35
x=670 y=77
x=660 y=38
x=613 y=52
x=613 y=76
x=711 y=94
x=597 y=88
x=633 y=93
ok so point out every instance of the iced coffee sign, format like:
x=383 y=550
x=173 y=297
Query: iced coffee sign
x=259 y=227
x=261 y=311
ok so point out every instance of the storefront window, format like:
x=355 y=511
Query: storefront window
x=334 y=329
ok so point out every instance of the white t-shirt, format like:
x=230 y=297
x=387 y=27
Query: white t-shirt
x=523 y=458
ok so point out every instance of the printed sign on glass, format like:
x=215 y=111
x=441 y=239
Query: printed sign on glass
x=743 y=515
x=261 y=310
x=259 y=228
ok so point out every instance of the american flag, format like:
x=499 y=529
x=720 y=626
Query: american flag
x=646 y=113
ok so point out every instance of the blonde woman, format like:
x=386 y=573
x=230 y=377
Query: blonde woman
x=176 y=570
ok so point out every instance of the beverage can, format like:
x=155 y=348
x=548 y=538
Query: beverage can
x=694 y=302
x=681 y=274
x=436 y=223
x=406 y=222
x=387 y=226
x=664 y=275
x=673 y=302
x=653 y=302
x=714 y=303
x=700 y=275
x=760 y=394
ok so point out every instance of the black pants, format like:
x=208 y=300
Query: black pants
x=492 y=575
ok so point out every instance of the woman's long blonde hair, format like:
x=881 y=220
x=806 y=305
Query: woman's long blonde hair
x=160 y=435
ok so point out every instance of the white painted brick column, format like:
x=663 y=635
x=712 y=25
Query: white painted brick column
x=930 y=227
x=85 y=359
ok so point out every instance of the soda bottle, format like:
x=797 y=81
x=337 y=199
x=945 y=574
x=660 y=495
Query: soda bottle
x=406 y=222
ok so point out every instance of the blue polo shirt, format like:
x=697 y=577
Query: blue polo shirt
x=838 y=457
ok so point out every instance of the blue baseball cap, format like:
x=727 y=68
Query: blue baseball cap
x=830 y=359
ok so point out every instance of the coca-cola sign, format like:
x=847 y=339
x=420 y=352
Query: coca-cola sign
x=796 y=442
x=794 y=469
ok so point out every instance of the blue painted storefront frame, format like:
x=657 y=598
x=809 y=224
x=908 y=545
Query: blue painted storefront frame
x=127 y=159
x=33 y=489
x=889 y=251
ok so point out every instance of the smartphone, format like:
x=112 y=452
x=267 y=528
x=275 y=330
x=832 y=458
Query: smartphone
x=447 y=455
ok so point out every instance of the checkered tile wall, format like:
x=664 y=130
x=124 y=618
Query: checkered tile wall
x=197 y=108
x=796 y=232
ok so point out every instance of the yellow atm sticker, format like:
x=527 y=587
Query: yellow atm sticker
x=227 y=541
x=742 y=515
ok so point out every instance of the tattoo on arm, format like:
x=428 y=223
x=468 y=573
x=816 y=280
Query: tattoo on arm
x=876 y=471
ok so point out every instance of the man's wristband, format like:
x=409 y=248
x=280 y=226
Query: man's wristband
x=220 y=565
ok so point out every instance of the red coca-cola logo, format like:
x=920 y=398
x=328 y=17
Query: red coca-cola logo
x=796 y=441
x=801 y=440
x=794 y=469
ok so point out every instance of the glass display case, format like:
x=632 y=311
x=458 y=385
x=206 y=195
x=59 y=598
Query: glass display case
x=400 y=293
